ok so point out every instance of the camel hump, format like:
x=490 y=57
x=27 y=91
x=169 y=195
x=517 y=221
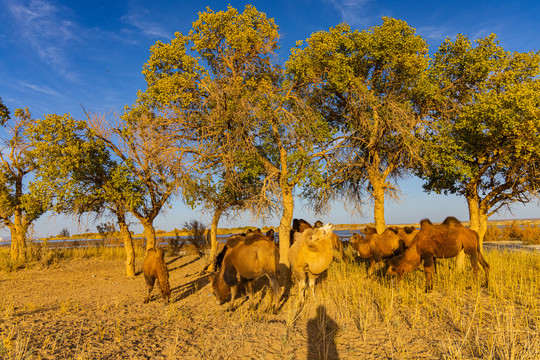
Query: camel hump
x=409 y=229
x=425 y=222
x=370 y=230
x=254 y=237
x=300 y=225
x=234 y=240
x=452 y=221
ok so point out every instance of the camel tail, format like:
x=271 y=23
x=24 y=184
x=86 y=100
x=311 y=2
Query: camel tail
x=482 y=261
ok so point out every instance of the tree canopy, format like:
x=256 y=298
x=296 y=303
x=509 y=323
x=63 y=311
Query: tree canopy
x=236 y=107
x=77 y=173
x=369 y=85
x=20 y=205
x=485 y=137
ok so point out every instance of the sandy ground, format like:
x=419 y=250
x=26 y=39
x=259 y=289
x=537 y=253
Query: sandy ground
x=87 y=309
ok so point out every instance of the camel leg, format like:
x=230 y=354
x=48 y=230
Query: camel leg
x=376 y=260
x=312 y=279
x=474 y=265
x=274 y=297
x=485 y=266
x=150 y=280
x=234 y=290
x=300 y=275
x=429 y=268
x=249 y=287
x=371 y=267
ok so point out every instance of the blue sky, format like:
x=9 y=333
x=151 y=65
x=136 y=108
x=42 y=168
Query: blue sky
x=58 y=55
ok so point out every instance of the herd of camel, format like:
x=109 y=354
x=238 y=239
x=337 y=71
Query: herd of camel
x=252 y=255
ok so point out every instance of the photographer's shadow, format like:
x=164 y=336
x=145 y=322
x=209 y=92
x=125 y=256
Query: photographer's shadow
x=322 y=331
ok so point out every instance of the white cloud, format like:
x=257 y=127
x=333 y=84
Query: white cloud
x=40 y=25
x=432 y=32
x=41 y=89
x=147 y=27
x=352 y=11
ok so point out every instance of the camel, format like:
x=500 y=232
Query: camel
x=376 y=247
x=249 y=258
x=336 y=241
x=439 y=241
x=154 y=267
x=406 y=233
x=311 y=254
x=300 y=225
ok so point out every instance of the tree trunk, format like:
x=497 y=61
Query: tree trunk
x=474 y=214
x=378 y=205
x=284 y=234
x=18 y=238
x=149 y=234
x=474 y=224
x=213 y=239
x=128 y=245
x=14 y=243
x=482 y=229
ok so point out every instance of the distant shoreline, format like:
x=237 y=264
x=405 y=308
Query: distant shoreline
x=227 y=231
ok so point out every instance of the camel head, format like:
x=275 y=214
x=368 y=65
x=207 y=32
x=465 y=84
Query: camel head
x=315 y=234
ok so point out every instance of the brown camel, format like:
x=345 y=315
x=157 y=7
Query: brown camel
x=377 y=247
x=439 y=241
x=154 y=267
x=249 y=259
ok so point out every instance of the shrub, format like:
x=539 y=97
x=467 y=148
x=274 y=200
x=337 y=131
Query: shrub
x=64 y=233
x=528 y=233
x=531 y=234
x=512 y=231
x=176 y=243
x=493 y=233
x=198 y=237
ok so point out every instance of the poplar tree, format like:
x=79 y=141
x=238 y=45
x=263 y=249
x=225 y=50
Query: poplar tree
x=20 y=204
x=372 y=87
x=236 y=107
x=485 y=137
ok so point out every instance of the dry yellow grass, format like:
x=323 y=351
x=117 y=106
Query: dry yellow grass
x=84 y=308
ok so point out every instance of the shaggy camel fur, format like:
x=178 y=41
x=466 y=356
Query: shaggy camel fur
x=154 y=267
x=406 y=233
x=376 y=247
x=300 y=225
x=249 y=259
x=231 y=241
x=336 y=241
x=311 y=253
x=439 y=241
x=270 y=234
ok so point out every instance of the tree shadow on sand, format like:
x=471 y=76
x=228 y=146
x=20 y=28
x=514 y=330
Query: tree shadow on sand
x=182 y=265
x=322 y=331
x=168 y=263
x=189 y=288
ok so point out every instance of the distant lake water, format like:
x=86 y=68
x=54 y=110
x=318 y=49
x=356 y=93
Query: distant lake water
x=344 y=235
